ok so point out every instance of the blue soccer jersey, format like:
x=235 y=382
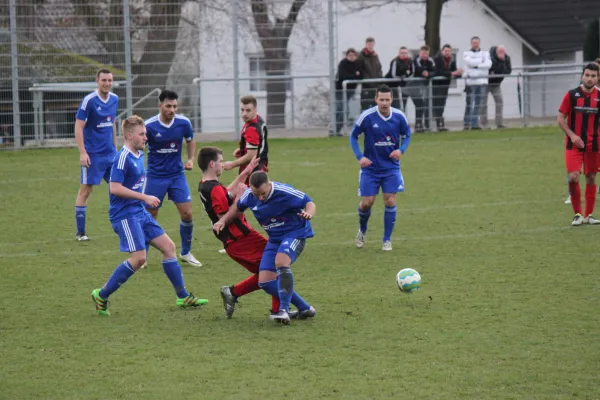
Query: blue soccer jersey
x=128 y=170
x=382 y=135
x=165 y=143
x=278 y=214
x=99 y=116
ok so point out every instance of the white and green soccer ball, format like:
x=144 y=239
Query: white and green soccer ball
x=408 y=280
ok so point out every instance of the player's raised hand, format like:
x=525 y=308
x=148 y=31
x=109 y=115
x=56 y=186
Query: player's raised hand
x=395 y=154
x=365 y=162
x=84 y=160
x=189 y=164
x=227 y=165
x=237 y=153
x=251 y=166
x=152 y=201
x=577 y=142
x=305 y=215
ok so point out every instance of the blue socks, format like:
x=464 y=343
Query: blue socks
x=271 y=288
x=80 y=217
x=389 y=220
x=363 y=219
x=120 y=275
x=186 y=228
x=173 y=271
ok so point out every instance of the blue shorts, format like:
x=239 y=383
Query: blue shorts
x=291 y=247
x=389 y=181
x=136 y=230
x=176 y=187
x=99 y=169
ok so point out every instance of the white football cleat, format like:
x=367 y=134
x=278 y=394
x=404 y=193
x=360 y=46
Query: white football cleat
x=190 y=259
x=144 y=265
x=590 y=220
x=223 y=251
x=360 y=239
x=387 y=246
x=577 y=220
x=568 y=200
x=280 y=317
x=82 y=237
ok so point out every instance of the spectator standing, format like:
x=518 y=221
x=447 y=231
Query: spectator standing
x=477 y=64
x=423 y=67
x=400 y=67
x=348 y=69
x=500 y=66
x=445 y=70
x=371 y=69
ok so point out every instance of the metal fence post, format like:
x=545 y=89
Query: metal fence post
x=236 y=70
x=525 y=99
x=127 y=37
x=333 y=106
x=430 y=101
x=14 y=53
x=293 y=103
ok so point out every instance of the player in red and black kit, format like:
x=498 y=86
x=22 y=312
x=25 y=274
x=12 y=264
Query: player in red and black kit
x=242 y=243
x=579 y=118
x=253 y=139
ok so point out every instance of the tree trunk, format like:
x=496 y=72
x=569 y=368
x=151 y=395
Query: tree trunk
x=153 y=69
x=433 y=16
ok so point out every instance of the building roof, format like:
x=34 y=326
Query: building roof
x=547 y=25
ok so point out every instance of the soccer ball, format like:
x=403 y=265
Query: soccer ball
x=408 y=280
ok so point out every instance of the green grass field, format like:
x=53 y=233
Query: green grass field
x=508 y=307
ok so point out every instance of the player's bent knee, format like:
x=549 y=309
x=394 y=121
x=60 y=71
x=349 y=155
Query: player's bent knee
x=366 y=203
x=85 y=190
x=282 y=260
x=186 y=215
x=266 y=276
x=573 y=176
x=137 y=259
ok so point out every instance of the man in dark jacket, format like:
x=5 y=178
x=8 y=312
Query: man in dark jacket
x=348 y=69
x=371 y=69
x=423 y=67
x=400 y=67
x=500 y=66
x=445 y=70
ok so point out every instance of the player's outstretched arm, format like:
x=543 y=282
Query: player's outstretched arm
x=245 y=159
x=241 y=178
x=229 y=216
x=309 y=211
x=117 y=189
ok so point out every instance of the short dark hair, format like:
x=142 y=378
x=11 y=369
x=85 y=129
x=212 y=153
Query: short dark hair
x=168 y=95
x=249 y=99
x=383 y=89
x=102 y=71
x=351 y=50
x=206 y=155
x=592 y=67
x=370 y=39
x=403 y=48
x=475 y=37
x=258 y=178
x=424 y=48
x=446 y=46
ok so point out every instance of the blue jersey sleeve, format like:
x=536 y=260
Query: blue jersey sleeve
x=242 y=203
x=297 y=199
x=405 y=134
x=189 y=131
x=83 y=111
x=357 y=130
x=119 y=169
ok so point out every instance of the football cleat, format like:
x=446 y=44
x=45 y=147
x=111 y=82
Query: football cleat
x=568 y=200
x=360 y=239
x=387 y=246
x=590 y=220
x=191 y=301
x=577 y=220
x=82 y=237
x=101 y=304
x=304 y=314
x=229 y=301
x=190 y=259
x=281 y=317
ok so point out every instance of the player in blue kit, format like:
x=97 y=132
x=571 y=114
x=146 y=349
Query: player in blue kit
x=134 y=225
x=285 y=214
x=166 y=132
x=386 y=138
x=95 y=135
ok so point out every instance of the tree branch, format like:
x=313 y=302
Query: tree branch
x=261 y=18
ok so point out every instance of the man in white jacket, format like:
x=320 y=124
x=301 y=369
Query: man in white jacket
x=477 y=64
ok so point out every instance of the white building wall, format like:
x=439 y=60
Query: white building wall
x=392 y=26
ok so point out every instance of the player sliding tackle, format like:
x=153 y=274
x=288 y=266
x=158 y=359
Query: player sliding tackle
x=387 y=136
x=285 y=214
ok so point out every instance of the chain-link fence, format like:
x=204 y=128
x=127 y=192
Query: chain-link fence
x=211 y=52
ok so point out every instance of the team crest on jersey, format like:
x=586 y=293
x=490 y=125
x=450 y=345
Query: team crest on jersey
x=139 y=184
x=386 y=141
x=106 y=122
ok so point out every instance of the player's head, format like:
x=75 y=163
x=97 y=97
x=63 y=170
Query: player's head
x=447 y=51
x=424 y=52
x=168 y=104
x=383 y=98
x=589 y=76
x=260 y=185
x=211 y=159
x=134 y=132
x=248 y=107
x=104 y=80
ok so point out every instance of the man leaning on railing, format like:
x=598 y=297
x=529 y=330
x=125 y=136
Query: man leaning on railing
x=348 y=69
x=500 y=66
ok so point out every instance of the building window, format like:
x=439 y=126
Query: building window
x=258 y=70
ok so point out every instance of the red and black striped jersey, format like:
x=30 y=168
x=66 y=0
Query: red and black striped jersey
x=216 y=201
x=254 y=137
x=583 y=115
